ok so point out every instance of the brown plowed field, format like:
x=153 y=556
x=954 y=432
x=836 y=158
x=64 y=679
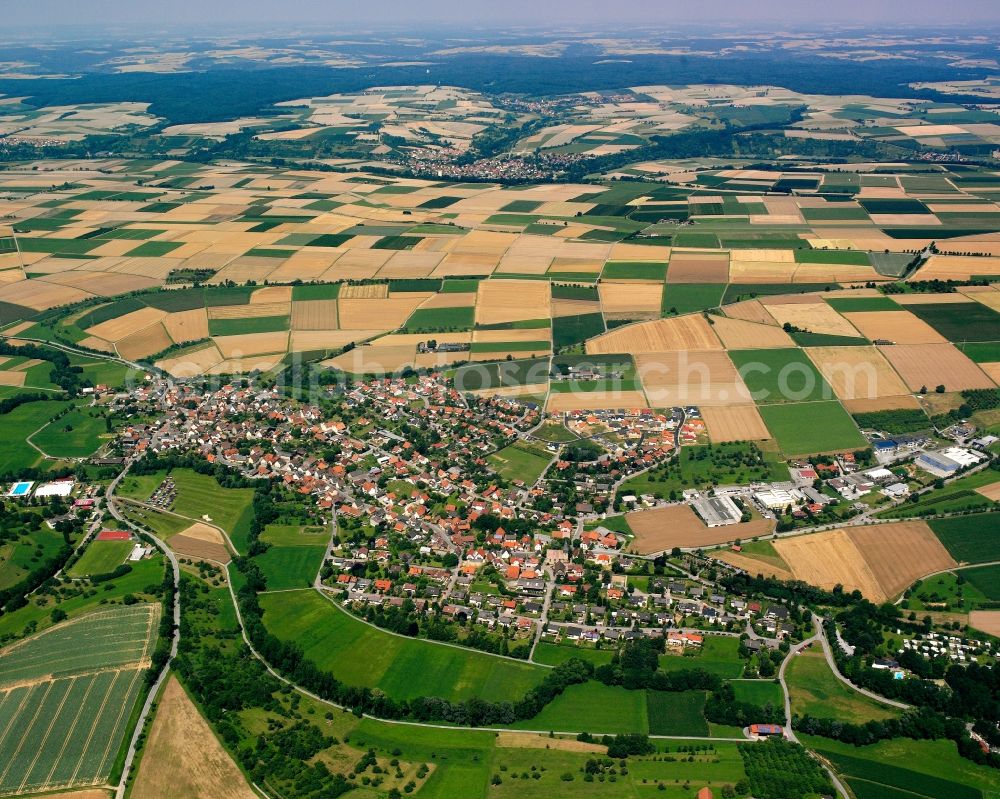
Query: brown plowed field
x=986 y=620
x=734 y=423
x=690 y=332
x=880 y=560
x=663 y=529
x=692 y=268
x=931 y=365
x=184 y=758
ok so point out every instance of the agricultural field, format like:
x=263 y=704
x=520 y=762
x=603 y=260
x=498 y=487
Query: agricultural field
x=815 y=691
x=878 y=560
x=403 y=667
x=66 y=724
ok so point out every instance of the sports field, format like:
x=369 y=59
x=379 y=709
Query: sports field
x=66 y=697
x=101 y=557
x=521 y=462
x=404 y=668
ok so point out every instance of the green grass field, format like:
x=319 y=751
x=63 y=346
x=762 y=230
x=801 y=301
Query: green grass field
x=433 y=320
x=201 y=495
x=961 y=322
x=242 y=327
x=985 y=579
x=970 y=539
x=718 y=655
x=101 y=557
x=404 y=668
x=551 y=654
x=689 y=297
x=758 y=692
x=520 y=462
x=924 y=769
x=808 y=427
x=815 y=691
x=37 y=614
x=20 y=556
x=291 y=566
x=781 y=375
x=592 y=707
x=78 y=434
x=676 y=713
x=15 y=452
x=855 y=304
x=634 y=270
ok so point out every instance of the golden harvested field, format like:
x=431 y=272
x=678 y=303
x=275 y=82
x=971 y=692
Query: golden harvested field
x=493 y=336
x=881 y=404
x=900 y=327
x=993 y=370
x=365 y=314
x=957 y=267
x=662 y=529
x=183 y=757
x=122 y=326
x=258 y=311
x=12 y=378
x=672 y=379
x=932 y=365
x=986 y=620
x=146 y=342
x=450 y=301
x=500 y=301
x=370 y=291
x=618 y=299
x=192 y=364
x=574 y=307
x=749 y=311
x=759 y=255
x=595 y=400
x=991 y=492
x=530 y=740
x=271 y=294
x=857 y=372
x=314 y=315
x=41 y=295
x=734 y=423
x=259 y=363
x=738 y=334
x=690 y=332
x=816 y=317
x=314 y=340
x=252 y=344
x=185 y=326
x=752 y=566
x=762 y=271
x=375 y=360
x=928 y=298
x=698 y=268
x=880 y=560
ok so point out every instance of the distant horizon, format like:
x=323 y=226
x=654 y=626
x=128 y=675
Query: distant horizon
x=520 y=13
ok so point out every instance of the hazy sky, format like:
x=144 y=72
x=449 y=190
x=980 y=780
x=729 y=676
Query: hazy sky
x=526 y=13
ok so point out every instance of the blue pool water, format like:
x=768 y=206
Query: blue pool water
x=20 y=489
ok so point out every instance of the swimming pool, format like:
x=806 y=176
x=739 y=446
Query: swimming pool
x=20 y=489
